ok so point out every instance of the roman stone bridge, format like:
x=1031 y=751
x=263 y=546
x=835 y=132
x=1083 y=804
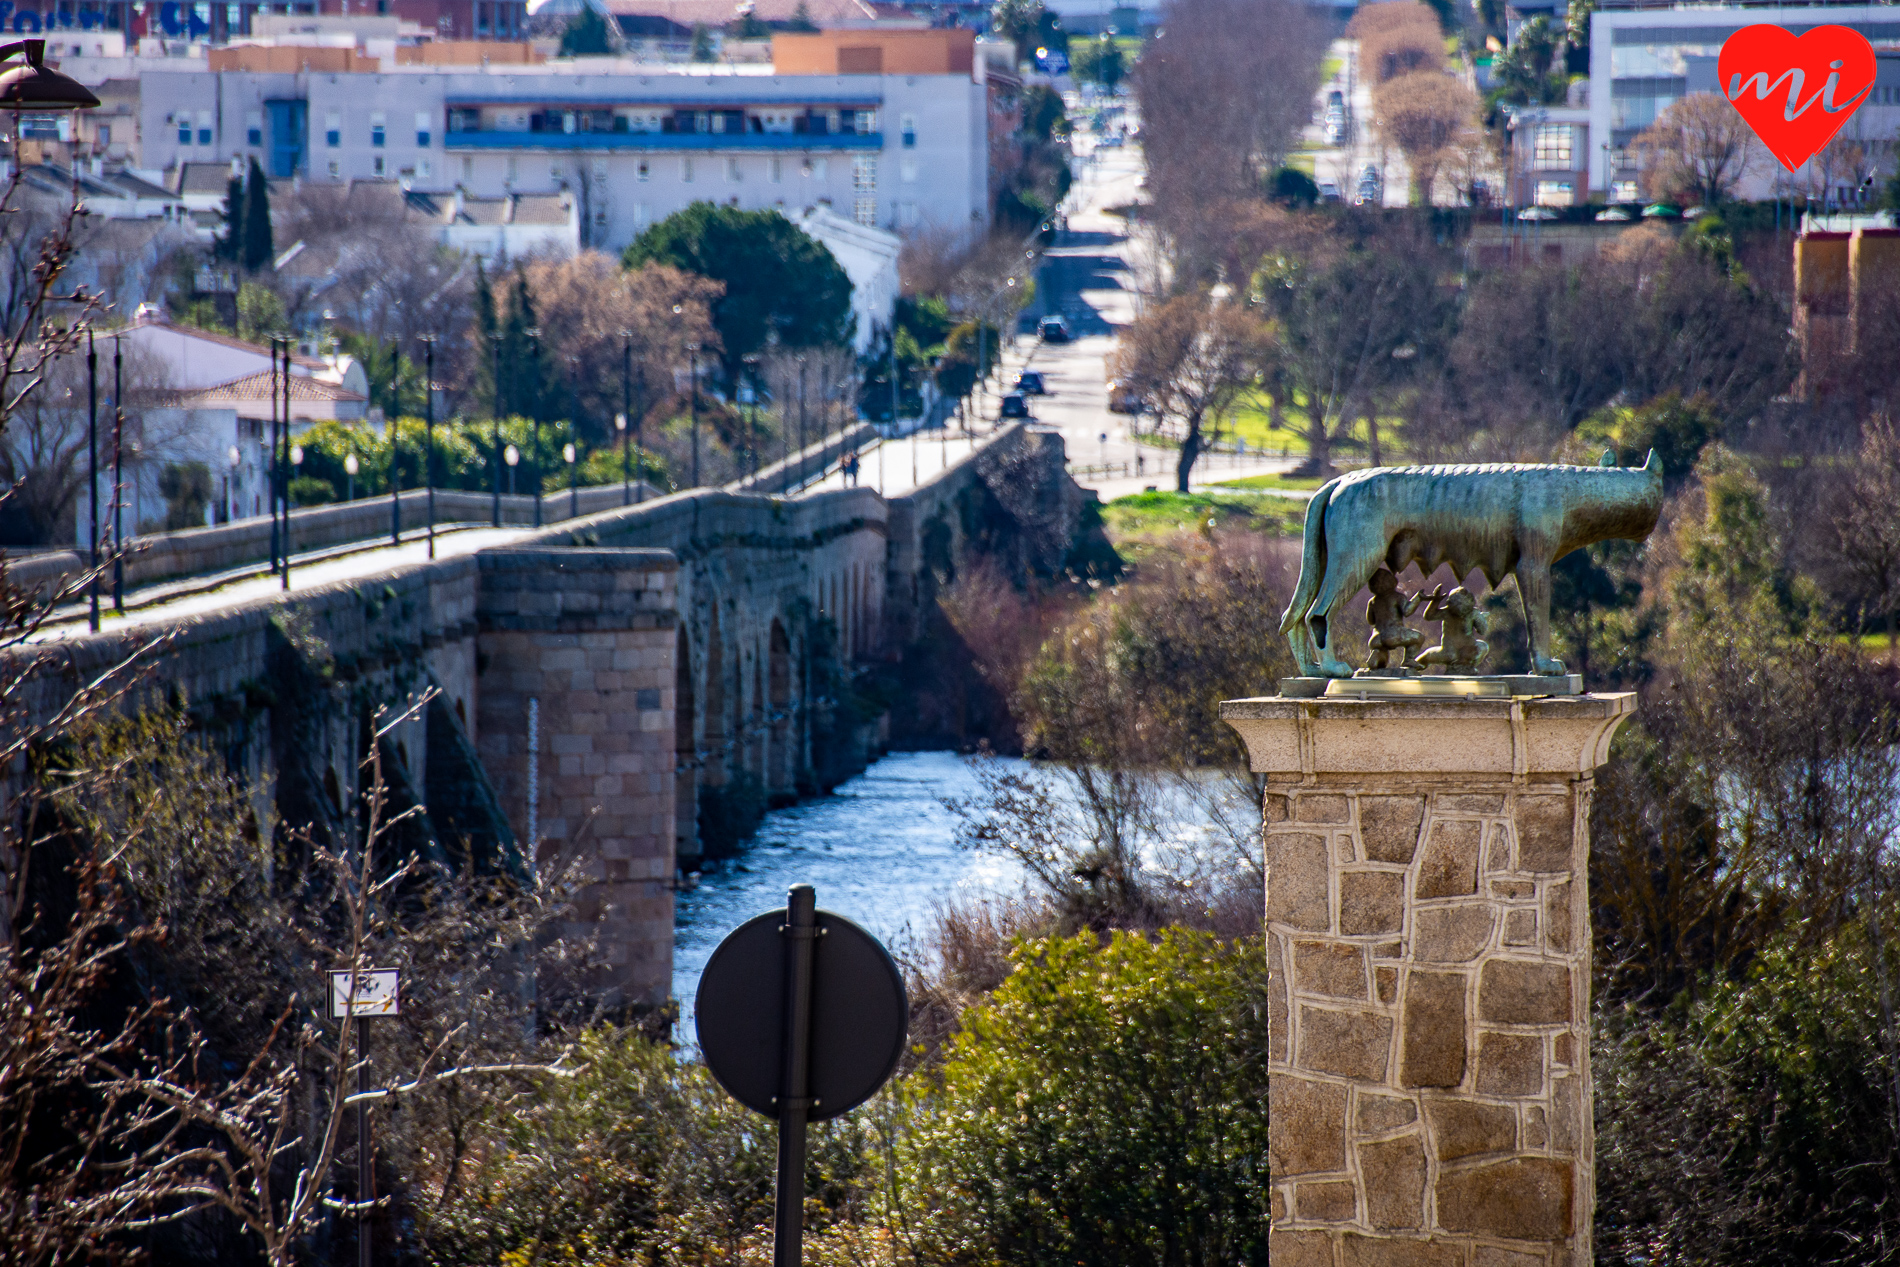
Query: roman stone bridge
x=623 y=692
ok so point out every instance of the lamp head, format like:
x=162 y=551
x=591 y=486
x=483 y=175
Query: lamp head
x=567 y=451
x=35 y=86
x=620 y=422
x=511 y=455
x=350 y=464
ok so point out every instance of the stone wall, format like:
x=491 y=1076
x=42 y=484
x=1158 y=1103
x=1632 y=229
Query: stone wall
x=1429 y=978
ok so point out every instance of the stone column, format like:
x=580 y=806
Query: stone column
x=589 y=636
x=1428 y=943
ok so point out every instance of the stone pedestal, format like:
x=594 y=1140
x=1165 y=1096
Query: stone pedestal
x=1428 y=941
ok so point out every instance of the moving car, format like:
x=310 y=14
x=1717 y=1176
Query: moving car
x=1015 y=405
x=1029 y=383
x=1053 y=330
x=1122 y=398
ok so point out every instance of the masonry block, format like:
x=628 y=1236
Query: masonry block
x=1428 y=971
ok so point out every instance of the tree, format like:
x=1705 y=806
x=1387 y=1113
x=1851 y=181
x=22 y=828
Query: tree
x=586 y=35
x=1403 y=49
x=1224 y=88
x=1528 y=73
x=1098 y=61
x=1423 y=113
x=1190 y=358
x=1867 y=526
x=779 y=283
x=1337 y=327
x=1017 y=21
x=258 y=250
x=1697 y=151
x=702 y=47
x=229 y=245
x=801 y=19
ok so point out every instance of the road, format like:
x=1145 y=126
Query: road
x=1342 y=164
x=1089 y=277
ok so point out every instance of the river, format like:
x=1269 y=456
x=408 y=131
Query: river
x=880 y=850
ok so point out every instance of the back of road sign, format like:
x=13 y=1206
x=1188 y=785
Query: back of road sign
x=859 y=1014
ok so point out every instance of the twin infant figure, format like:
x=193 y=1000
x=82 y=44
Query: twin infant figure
x=1393 y=644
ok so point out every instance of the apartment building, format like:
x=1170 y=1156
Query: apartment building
x=1644 y=56
x=888 y=128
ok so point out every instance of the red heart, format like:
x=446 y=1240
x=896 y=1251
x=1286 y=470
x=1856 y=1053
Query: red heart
x=1796 y=92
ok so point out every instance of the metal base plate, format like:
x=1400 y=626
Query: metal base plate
x=1502 y=686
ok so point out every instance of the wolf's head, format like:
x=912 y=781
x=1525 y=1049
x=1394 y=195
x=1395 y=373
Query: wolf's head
x=1612 y=503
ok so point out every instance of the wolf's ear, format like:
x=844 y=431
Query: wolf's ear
x=1653 y=464
x=1608 y=458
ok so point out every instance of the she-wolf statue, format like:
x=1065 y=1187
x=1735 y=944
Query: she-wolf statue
x=1503 y=519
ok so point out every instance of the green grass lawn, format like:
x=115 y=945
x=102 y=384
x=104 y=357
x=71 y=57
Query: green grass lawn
x=1330 y=67
x=1281 y=483
x=1146 y=518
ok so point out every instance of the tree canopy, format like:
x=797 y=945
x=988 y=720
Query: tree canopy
x=779 y=281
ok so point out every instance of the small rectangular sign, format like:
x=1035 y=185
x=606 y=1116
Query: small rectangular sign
x=378 y=993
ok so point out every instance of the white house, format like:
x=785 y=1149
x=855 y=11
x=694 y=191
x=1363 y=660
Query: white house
x=868 y=257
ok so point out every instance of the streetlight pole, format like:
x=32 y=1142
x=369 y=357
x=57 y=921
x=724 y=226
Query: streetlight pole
x=692 y=389
x=276 y=539
x=573 y=485
x=428 y=431
x=626 y=412
x=801 y=402
x=534 y=458
x=92 y=474
x=395 y=458
x=751 y=361
x=118 y=475
x=291 y=457
x=350 y=467
x=495 y=405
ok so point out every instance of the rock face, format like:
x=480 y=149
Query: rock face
x=1429 y=972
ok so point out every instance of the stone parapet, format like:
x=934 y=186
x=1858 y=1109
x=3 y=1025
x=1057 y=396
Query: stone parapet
x=1428 y=942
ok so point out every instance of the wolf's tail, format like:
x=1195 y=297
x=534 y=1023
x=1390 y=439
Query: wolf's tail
x=1312 y=558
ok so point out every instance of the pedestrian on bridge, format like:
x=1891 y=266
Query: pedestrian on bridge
x=851 y=470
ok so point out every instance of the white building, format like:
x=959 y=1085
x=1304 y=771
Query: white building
x=868 y=257
x=629 y=143
x=1644 y=59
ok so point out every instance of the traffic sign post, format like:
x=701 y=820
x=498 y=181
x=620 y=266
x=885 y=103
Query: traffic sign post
x=361 y=995
x=801 y=1016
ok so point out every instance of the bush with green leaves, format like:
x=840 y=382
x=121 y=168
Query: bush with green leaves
x=1105 y=1105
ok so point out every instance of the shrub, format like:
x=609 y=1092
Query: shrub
x=1104 y=1106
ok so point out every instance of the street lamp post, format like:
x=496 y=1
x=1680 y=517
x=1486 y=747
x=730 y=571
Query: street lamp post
x=800 y=358
x=511 y=455
x=118 y=476
x=495 y=407
x=270 y=492
x=92 y=474
x=620 y=419
x=692 y=391
x=428 y=431
x=751 y=360
x=573 y=487
x=350 y=467
x=233 y=458
x=534 y=456
x=290 y=471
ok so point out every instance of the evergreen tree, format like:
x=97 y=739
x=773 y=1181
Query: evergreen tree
x=258 y=249
x=526 y=364
x=702 y=49
x=801 y=19
x=227 y=247
x=585 y=36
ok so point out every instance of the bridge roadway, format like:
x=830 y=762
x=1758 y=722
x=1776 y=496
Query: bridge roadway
x=636 y=682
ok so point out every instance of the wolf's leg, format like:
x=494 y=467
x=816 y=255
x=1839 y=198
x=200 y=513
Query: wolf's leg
x=1345 y=573
x=1533 y=585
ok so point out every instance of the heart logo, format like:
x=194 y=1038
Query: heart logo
x=1796 y=91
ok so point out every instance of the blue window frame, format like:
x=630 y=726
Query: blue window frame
x=204 y=136
x=254 y=137
x=376 y=136
x=184 y=134
x=422 y=140
x=333 y=138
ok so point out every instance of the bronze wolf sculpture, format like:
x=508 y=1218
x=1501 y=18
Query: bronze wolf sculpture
x=1501 y=519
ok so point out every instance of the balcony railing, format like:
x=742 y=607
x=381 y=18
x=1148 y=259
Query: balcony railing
x=736 y=141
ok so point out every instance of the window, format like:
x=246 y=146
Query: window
x=336 y=170
x=254 y=128
x=184 y=131
x=204 y=127
x=514 y=169
x=1625 y=191
x=422 y=129
x=377 y=168
x=642 y=169
x=1554 y=193
x=864 y=122
x=906 y=215
x=423 y=169
x=600 y=169
x=105 y=135
x=555 y=171
x=204 y=136
x=909 y=125
x=468 y=169
x=734 y=173
x=333 y=129
x=377 y=125
x=907 y=170
x=686 y=170
x=816 y=168
x=1553 y=146
x=775 y=171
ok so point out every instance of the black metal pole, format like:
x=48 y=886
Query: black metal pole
x=801 y=405
x=692 y=388
x=286 y=466
x=626 y=416
x=428 y=432
x=92 y=474
x=495 y=401
x=118 y=476
x=365 y=1170
x=534 y=461
x=270 y=467
x=395 y=456
x=794 y=1105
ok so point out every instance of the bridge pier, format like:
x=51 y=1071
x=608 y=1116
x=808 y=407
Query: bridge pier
x=581 y=642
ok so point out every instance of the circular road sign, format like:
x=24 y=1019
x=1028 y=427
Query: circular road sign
x=859 y=1014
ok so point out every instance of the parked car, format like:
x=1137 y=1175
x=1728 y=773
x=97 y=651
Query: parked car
x=1053 y=330
x=1328 y=191
x=1015 y=405
x=1336 y=98
x=1029 y=383
x=1122 y=398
